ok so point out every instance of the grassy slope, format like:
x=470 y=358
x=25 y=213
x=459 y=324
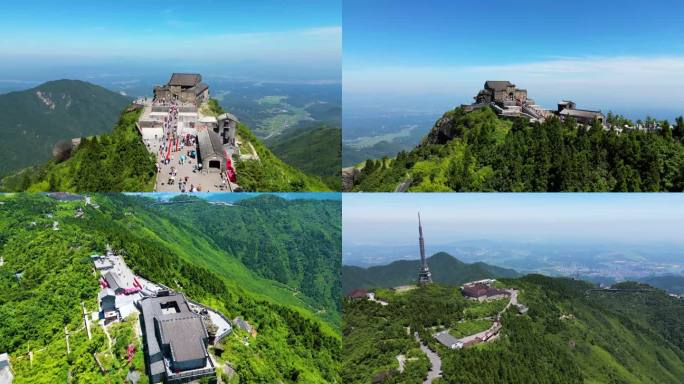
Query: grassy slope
x=195 y=245
x=111 y=168
x=31 y=127
x=269 y=173
x=298 y=243
x=316 y=151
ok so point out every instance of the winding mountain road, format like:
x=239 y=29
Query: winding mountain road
x=435 y=362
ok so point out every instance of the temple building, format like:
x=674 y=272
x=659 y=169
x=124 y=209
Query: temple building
x=507 y=101
x=567 y=108
x=183 y=87
x=175 y=340
x=503 y=92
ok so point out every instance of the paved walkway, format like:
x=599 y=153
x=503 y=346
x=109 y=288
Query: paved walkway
x=435 y=362
x=203 y=181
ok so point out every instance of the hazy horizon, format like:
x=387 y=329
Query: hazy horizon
x=237 y=40
x=435 y=58
x=389 y=221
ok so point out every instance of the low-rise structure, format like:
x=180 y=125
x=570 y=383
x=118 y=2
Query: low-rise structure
x=101 y=262
x=175 y=340
x=227 y=128
x=211 y=154
x=482 y=292
x=6 y=373
x=568 y=109
x=448 y=341
x=358 y=294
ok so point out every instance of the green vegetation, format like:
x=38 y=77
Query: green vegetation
x=477 y=151
x=292 y=346
x=470 y=327
x=571 y=334
x=113 y=162
x=315 y=151
x=444 y=267
x=268 y=173
x=374 y=335
x=35 y=119
x=669 y=283
x=299 y=246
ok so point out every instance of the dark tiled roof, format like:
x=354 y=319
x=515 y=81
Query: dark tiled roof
x=182 y=330
x=228 y=116
x=498 y=85
x=112 y=281
x=582 y=113
x=185 y=79
x=446 y=339
x=210 y=143
x=185 y=335
x=199 y=88
x=357 y=294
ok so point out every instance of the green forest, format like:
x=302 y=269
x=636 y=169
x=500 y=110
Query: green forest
x=445 y=269
x=109 y=162
x=573 y=333
x=47 y=274
x=298 y=242
x=316 y=151
x=477 y=151
x=33 y=120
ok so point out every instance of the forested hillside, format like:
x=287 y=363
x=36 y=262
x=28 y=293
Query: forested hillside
x=444 y=267
x=34 y=120
x=297 y=243
x=45 y=274
x=269 y=173
x=572 y=333
x=118 y=161
x=313 y=150
x=477 y=151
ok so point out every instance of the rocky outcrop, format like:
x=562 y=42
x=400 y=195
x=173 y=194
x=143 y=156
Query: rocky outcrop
x=348 y=177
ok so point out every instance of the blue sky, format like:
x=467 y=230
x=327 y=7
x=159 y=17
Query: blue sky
x=273 y=34
x=603 y=54
x=390 y=219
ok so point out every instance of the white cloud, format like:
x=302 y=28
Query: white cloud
x=317 y=46
x=597 y=81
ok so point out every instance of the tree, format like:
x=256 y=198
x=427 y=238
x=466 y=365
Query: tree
x=678 y=131
x=665 y=129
